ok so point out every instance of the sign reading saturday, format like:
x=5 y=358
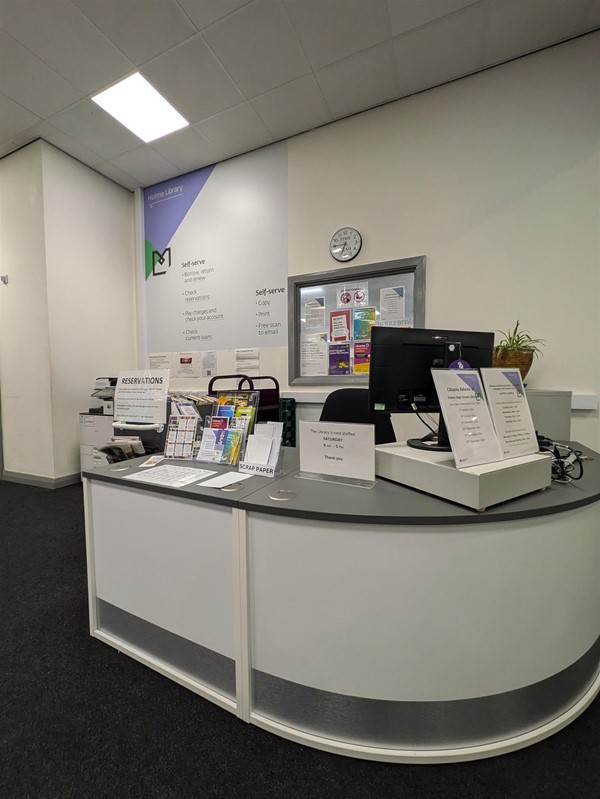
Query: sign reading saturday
x=216 y=258
x=338 y=450
x=141 y=396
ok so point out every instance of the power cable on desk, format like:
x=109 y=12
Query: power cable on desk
x=565 y=460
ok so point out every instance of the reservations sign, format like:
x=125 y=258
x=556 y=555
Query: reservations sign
x=141 y=396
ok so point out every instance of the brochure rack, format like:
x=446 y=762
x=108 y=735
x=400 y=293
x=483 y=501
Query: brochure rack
x=268 y=398
x=268 y=403
x=227 y=429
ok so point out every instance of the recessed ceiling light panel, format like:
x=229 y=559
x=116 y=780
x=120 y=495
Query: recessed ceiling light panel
x=136 y=104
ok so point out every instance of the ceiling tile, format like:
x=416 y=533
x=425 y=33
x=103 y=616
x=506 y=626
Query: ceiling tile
x=514 y=27
x=44 y=130
x=13 y=118
x=67 y=144
x=187 y=149
x=117 y=175
x=95 y=129
x=441 y=51
x=360 y=81
x=591 y=19
x=292 y=108
x=164 y=25
x=408 y=14
x=258 y=47
x=62 y=36
x=145 y=164
x=192 y=79
x=27 y=135
x=7 y=148
x=30 y=82
x=335 y=29
x=235 y=131
x=206 y=12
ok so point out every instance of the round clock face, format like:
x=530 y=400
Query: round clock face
x=345 y=244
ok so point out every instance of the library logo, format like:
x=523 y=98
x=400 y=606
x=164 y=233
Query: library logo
x=161 y=261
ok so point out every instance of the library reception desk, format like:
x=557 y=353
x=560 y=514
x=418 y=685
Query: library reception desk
x=378 y=623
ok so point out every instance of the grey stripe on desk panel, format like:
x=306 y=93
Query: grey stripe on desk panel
x=210 y=668
x=434 y=725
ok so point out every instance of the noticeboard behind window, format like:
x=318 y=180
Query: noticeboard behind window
x=331 y=315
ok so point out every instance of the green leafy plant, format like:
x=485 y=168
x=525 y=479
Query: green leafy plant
x=519 y=339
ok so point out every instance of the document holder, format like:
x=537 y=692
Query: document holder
x=268 y=403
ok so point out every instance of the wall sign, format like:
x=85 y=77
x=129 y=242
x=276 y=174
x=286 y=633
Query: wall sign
x=216 y=256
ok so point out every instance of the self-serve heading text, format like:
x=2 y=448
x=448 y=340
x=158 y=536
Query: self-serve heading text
x=264 y=292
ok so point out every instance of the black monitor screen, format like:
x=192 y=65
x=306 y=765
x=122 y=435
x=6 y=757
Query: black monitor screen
x=402 y=359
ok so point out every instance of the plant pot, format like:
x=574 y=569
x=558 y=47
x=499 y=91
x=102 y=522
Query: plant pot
x=514 y=359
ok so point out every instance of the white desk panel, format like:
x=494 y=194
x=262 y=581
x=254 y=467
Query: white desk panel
x=166 y=560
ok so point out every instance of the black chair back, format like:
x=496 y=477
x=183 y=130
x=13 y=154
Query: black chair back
x=352 y=405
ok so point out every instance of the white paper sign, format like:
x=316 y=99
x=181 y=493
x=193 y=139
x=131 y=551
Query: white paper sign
x=467 y=417
x=160 y=360
x=510 y=411
x=141 y=396
x=392 y=306
x=187 y=364
x=314 y=313
x=338 y=450
x=209 y=363
x=352 y=296
x=247 y=361
x=313 y=355
x=176 y=476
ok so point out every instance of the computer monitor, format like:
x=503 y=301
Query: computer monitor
x=400 y=378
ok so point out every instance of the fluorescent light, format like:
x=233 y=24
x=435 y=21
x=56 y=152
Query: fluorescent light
x=136 y=104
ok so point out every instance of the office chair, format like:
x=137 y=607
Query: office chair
x=352 y=405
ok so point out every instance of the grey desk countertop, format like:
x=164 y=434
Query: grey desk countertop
x=385 y=503
x=117 y=472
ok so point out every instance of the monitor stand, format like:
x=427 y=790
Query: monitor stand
x=433 y=442
x=439 y=442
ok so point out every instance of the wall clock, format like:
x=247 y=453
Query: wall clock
x=345 y=244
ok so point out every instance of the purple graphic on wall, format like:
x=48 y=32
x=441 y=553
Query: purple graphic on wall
x=165 y=207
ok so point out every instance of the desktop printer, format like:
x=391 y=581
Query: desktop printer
x=104 y=390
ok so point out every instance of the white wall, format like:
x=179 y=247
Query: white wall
x=495 y=178
x=68 y=312
x=24 y=340
x=91 y=297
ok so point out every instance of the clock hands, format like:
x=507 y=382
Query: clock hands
x=345 y=244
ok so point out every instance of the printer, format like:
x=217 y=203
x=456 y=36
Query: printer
x=104 y=391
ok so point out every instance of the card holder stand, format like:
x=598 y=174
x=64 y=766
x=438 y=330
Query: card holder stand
x=327 y=478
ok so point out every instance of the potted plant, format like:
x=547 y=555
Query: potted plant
x=517 y=349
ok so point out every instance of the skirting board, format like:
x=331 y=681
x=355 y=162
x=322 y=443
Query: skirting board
x=39 y=481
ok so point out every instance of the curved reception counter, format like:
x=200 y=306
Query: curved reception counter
x=378 y=623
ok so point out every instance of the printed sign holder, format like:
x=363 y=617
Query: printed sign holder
x=337 y=452
x=327 y=478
